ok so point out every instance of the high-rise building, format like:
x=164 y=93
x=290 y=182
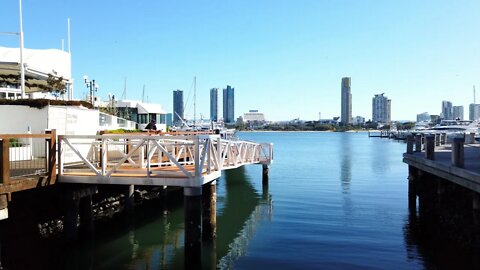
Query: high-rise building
x=228 y=105
x=381 y=109
x=447 y=111
x=474 y=112
x=346 y=116
x=423 y=117
x=214 y=104
x=458 y=112
x=177 y=107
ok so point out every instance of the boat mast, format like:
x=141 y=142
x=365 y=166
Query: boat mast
x=194 y=100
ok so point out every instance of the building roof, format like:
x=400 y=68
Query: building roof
x=38 y=65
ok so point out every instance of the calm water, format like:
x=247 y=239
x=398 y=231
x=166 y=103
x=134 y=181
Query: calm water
x=335 y=201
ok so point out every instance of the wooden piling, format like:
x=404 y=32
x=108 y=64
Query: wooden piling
x=418 y=143
x=412 y=189
x=86 y=215
x=129 y=198
x=430 y=147
x=458 y=158
x=265 y=174
x=410 y=141
x=193 y=227
x=209 y=211
x=70 y=222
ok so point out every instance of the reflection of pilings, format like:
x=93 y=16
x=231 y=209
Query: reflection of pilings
x=86 y=215
x=193 y=227
x=239 y=245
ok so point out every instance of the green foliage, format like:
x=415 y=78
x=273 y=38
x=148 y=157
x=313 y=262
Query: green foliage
x=13 y=142
x=122 y=131
x=56 y=85
x=40 y=103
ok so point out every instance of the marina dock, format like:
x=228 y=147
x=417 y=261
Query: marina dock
x=80 y=163
x=445 y=179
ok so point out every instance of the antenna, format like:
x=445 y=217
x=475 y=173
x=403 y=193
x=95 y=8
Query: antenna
x=143 y=94
x=194 y=100
x=124 y=94
x=474 y=95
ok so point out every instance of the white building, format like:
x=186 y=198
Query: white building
x=142 y=113
x=39 y=64
x=253 y=116
x=358 y=120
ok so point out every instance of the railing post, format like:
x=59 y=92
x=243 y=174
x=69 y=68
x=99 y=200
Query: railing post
x=60 y=155
x=458 y=158
x=430 y=147
x=418 y=143
x=196 y=158
x=410 y=140
x=5 y=161
x=52 y=155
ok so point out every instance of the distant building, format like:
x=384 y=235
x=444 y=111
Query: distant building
x=253 y=116
x=458 y=112
x=474 y=112
x=142 y=113
x=423 y=117
x=346 y=116
x=447 y=110
x=358 y=120
x=214 y=104
x=177 y=107
x=381 y=109
x=229 y=105
x=435 y=119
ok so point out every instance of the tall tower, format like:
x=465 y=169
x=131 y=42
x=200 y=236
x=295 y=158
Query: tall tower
x=381 y=109
x=177 y=107
x=447 y=110
x=346 y=116
x=214 y=104
x=228 y=105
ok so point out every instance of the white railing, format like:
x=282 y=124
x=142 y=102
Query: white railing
x=153 y=156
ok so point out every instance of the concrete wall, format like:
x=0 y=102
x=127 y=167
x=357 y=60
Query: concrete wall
x=17 y=119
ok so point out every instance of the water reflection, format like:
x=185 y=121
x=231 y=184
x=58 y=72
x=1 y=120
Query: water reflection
x=149 y=239
x=346 y=162
x=430 y=243
x=244 y=210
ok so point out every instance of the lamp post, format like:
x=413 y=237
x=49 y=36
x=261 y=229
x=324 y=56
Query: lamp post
x=90 y=84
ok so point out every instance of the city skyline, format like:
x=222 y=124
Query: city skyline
x=420 y=52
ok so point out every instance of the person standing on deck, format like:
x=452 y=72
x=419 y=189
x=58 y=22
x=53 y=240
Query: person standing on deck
x=152 y=125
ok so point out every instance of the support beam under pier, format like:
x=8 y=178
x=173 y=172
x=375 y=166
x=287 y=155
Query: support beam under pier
x=193 y=227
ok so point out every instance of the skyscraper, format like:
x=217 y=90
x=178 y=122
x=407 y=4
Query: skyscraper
x=474 y=112
x=458 y=112
x=381 y=109
x=228 y=105
x=346 y=116
x=214 y=104
x=177 y=107
x=447 y=111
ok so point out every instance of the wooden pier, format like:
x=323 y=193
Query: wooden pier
x=79 y=164
x=444 y=178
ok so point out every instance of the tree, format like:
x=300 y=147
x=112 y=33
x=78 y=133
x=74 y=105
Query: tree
x=56 y=85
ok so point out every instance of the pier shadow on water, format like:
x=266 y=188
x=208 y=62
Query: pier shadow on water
x=150 y=238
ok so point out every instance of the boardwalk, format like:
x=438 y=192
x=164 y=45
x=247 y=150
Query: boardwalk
x=163 y=160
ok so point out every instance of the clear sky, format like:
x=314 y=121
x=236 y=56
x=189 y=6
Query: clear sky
x=284 y=58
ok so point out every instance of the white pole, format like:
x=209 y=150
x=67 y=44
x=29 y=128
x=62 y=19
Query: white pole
x=70 y=84
x=22 y=67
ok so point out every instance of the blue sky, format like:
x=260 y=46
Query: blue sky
x=284 y=58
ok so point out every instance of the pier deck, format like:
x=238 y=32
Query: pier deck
x=441 y=166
